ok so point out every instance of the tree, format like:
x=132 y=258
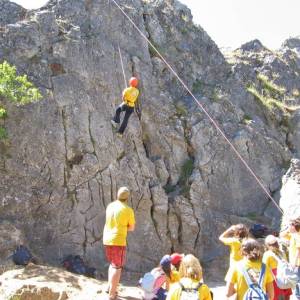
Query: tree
x=14 y=88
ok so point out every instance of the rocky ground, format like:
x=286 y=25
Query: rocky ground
x=46 y=283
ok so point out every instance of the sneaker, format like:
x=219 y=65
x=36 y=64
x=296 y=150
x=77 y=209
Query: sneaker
x=114 y=124
x=119 y=135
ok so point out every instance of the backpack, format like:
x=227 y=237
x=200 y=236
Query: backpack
x=75 y=264
x=255 y=291
x=259 y=230
x=285 y=277
x=22 y=256
x=190 y=293
x=152 y=281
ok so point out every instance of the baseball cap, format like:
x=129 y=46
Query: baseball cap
x=123 y=193
x=270 y=239
x=165 y=261
x=176 y=258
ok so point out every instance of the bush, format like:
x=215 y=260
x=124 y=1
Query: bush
x=14 y=88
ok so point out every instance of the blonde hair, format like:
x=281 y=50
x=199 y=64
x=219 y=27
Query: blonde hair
x=190 y=267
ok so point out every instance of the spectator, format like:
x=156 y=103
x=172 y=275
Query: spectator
x=190 y=272
x=270 y=258
x=292 y=233
x=233 y=237
x=252 y=264
x=119 y=220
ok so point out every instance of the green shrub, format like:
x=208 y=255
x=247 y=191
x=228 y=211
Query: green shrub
x=3 y=113
x=16 y=88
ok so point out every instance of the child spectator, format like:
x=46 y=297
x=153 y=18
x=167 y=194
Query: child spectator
x=292 y=233
x=233 y=238
x=190 y=272
x=270 y=258
x=176 y=259
x=252 y=264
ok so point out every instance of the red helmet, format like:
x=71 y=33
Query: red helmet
x=133 y=82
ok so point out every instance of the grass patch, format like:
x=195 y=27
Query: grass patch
x=246 y=119
x=267 y=102
x=271 y=87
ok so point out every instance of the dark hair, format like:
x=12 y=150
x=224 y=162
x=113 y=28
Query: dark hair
x=167 y=270
x=251 y=249
x=296 y=223
x=241 y=231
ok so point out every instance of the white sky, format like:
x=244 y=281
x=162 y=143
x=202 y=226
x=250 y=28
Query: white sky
x=230 y=23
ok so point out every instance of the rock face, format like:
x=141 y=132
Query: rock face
x=290 y=192
x=63 y=163
x=10 y=13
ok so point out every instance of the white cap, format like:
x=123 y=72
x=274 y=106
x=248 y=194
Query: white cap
x=271 y=239
x=123 y=193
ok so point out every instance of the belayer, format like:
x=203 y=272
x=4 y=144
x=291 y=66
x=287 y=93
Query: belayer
x=130 y=96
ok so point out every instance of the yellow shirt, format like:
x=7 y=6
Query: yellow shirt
x=175 y=291
x=294 y=246
x=118 y=217
x=253 y=269
x=269 y=260
x=130 y=95
x=235 y=249
x=173 y=278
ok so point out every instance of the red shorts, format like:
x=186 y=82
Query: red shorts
x=115 y=255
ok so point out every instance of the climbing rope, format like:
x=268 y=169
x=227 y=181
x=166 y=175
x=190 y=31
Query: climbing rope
x=125 y=81
x=201 y=106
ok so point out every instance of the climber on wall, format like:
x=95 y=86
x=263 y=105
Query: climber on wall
x=130 y=96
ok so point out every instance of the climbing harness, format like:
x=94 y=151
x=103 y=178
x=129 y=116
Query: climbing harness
x=201 y=106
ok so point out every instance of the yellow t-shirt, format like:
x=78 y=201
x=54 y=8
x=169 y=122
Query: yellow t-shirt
x=173 y=278
x=269 y=260
x=253 y=269
x=294 y=245
x=175 y=290
x=235 y=249
x=118 y=216
x=130 y=95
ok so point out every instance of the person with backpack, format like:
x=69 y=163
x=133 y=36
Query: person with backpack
x=292 y=233
x=130 y=96
x=233 y=237
x=119 y=220
x=190 y=286
x=155 y=285
x=152 y=282
x=250 y=278
x=272 y=258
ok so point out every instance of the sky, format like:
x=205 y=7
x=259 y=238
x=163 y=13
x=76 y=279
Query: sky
x=231 y=23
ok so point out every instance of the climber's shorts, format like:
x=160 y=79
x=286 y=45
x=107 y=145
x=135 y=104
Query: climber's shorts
x=116 y=255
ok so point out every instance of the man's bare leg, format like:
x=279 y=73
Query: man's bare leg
x=114 y=275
